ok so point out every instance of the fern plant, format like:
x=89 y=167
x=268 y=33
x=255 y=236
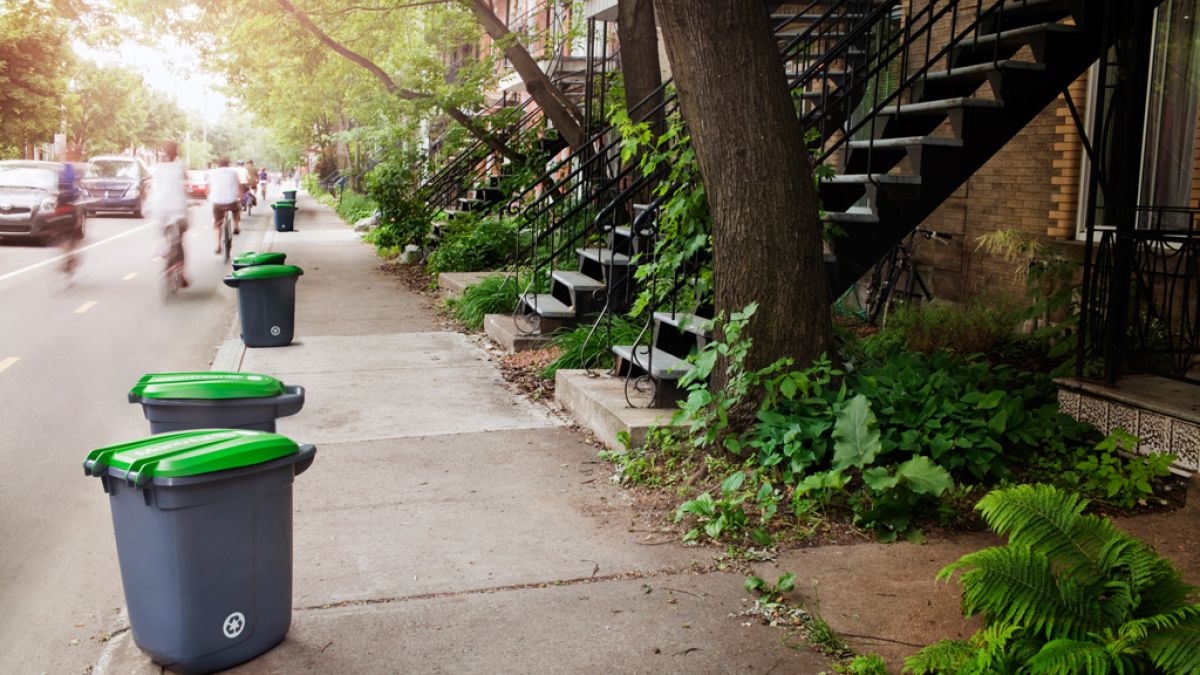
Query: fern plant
x=1070 y=593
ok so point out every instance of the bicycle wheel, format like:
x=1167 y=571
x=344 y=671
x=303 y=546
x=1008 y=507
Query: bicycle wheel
x=227 y=235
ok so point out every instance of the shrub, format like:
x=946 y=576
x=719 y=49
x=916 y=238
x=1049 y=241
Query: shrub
x=583 y=347
x=354 y=206
x=977 y=328
x=1069 y=593
x=474 y=244
x=403 y=218
x=493 y=295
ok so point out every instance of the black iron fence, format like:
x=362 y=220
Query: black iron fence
x=1157 y=330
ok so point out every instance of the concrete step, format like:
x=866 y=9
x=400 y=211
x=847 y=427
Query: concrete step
x=577 y=281
x=940 y=107
x=691 y=323
x=905 y=142
x=548 y=306
x=604 y=256
x=856 y=214
x=659 y=364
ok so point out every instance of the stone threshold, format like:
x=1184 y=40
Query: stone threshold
x=1163 y=413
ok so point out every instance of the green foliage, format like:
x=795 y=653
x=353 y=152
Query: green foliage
x=352 y=206
x=863 y=664
x=474 y=244
x=493 y=295
x=785 y=584
x=891 y=439
x=716 y=516
x=978 y=328
x=586 y=347
x=1122 y=482
x=35 y=54
x=1069 y=593
x=403 y=218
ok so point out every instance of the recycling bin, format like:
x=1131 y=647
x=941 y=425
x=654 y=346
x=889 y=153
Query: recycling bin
x=289 y=195
x=267 y=303
x=285 y=216
x=203 y=525
x=250 y=259
x=208 y=400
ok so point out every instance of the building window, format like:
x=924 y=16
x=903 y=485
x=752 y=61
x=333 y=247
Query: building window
x=1169 y=171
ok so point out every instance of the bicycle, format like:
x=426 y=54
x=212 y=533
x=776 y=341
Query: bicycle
x=896 y=277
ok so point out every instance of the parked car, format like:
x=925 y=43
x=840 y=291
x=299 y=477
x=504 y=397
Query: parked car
x=117 y=183
x=41 y=201
x=196 y=184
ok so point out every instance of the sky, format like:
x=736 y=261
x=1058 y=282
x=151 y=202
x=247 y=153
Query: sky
x=170 y=67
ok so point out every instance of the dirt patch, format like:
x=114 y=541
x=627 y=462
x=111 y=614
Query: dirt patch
x=523 y=370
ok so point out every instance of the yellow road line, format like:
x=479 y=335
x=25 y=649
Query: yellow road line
x=85 y=306
x=129 y=276
x=5 y=363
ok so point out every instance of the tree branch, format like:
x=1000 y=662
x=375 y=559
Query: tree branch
x=393 y=88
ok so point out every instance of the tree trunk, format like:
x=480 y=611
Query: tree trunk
x=757 y=176
x=553 y=102
x=639 y=59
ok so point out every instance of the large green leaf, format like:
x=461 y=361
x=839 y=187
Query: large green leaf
x=855 y=435
x=924 y=477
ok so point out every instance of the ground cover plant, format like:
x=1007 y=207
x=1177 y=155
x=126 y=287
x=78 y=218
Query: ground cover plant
x=494 y=295
x=474 y=244
x=891 y=439
x=585 y=346
x=1069 y=593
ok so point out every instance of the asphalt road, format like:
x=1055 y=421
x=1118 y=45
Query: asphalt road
x=68 y=355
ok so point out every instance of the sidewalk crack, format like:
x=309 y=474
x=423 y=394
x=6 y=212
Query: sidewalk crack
x=576 y=581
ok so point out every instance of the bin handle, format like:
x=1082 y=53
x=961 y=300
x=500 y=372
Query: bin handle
x=232 y=282
x=304 y=458
x=292 y=395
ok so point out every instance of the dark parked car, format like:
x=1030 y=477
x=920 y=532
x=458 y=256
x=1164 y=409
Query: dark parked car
x=41 y=201
x=117 y=183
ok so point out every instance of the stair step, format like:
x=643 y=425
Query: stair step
x=855 y=214
x=548 y=306
x=577 y=280
x=941 y=106
x=603 y=256
x=692 y=323
x=979 y=72
x=658 y=363
x=904 y=142
x=1012 y=37
x=865 y=178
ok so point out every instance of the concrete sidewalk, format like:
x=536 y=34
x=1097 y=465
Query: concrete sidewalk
x=449 y=525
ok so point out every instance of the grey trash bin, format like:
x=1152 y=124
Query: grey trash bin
x=213 y=399
x=266 y=303
x=203 y=524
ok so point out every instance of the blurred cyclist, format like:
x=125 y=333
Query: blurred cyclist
x=223 y=194
x=167 y=204
x=243 y=176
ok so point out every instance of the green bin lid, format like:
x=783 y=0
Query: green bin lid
x=264 y=258
x=188 y=453
x=284 y=204
x=205 y=385
x=267 y=272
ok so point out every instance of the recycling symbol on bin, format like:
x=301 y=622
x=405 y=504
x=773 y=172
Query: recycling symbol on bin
x=274 y=330
x=234 y=625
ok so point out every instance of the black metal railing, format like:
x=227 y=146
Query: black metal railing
x=594 y=190
x=1160 y=330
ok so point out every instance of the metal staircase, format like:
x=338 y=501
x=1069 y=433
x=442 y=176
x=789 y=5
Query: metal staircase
x=598 y=217
x=941 y=88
